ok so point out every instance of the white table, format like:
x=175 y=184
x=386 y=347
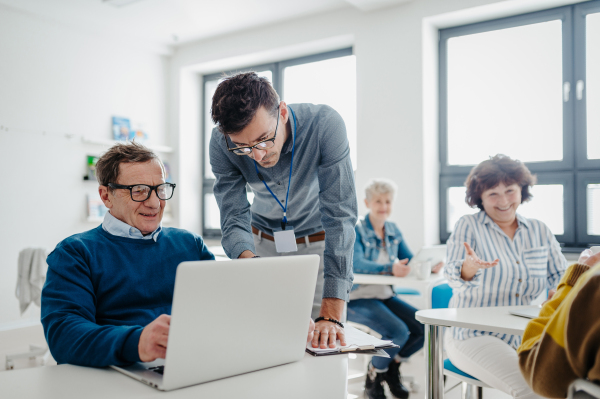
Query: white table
x=410 y=281
x=493 y=319
x=312 y=377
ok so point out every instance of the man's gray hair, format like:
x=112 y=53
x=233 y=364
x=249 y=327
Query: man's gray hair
x=380 y=186
x=108 y=166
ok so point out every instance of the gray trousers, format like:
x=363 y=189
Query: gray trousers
x=266 y=248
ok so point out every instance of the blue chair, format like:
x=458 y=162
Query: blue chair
x=440 y=298
x=406 y=291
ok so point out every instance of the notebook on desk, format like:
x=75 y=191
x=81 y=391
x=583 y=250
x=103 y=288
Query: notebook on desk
x=529 y=312
x=357 y=342
x=230 y=318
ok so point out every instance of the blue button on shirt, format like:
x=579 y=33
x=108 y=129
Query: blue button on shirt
x=114 y=226
x=322 y=193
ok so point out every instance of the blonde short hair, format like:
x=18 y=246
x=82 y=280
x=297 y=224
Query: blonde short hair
x=380 y=186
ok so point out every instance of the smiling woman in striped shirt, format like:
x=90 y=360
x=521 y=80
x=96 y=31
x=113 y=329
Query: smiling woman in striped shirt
x=497 y=257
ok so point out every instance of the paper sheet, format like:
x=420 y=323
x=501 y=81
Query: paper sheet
x=354 y=339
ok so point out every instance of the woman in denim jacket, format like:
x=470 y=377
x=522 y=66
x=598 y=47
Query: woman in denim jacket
x=380 y=249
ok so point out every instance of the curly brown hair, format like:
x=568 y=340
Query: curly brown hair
x=498 y=169
x=107 y=167
x=237 y=99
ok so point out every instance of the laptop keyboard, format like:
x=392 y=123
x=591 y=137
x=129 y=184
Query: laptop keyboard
x=158 y=369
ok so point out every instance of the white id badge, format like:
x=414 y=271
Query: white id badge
x=285 y=240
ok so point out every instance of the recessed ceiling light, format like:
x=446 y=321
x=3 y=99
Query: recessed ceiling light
x=119 y=3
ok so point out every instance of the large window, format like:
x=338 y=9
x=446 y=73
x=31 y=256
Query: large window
x=527 y=87
x=327 y=78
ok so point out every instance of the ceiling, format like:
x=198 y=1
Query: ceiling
x=167 y=23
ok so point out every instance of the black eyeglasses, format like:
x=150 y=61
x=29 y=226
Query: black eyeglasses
x=263 y=145
x=141 y=192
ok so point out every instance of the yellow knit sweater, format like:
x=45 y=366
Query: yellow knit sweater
x=563 y=343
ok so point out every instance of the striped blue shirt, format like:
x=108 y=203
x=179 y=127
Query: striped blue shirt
x=529 y=264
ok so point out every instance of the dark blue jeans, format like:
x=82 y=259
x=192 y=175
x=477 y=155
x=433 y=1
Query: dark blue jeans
x=395 y=320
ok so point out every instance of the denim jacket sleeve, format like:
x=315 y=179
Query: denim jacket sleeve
x=362 y=264
x=403 y=251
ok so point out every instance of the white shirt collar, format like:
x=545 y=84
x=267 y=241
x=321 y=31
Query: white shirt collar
x=116 y=227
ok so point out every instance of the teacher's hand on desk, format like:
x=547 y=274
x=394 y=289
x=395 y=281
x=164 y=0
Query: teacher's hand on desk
x=311 y=330
x=472 y=263
x=326 y=333
x=153 y=341
x=400 y=268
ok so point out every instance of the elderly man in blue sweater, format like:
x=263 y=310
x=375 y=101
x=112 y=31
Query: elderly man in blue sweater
x=108 y=292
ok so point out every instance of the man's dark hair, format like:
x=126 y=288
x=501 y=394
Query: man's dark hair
x=237 y=99
x=498 y=169
x=107 y=167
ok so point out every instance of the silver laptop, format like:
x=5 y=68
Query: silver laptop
x=230 y=318
x=530 y=312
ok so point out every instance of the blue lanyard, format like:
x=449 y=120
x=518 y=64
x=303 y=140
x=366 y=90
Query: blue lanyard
x=260 y=176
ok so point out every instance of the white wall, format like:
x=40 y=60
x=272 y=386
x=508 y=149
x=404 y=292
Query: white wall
x=58 y=80
x=388 y=48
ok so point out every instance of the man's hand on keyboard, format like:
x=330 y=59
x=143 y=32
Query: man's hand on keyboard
x=153 y=341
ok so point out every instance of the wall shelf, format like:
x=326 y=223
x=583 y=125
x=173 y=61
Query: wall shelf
x=110 y=143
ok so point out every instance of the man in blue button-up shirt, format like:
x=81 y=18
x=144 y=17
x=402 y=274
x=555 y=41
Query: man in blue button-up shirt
x=256 y=138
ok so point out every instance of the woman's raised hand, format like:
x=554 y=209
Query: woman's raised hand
x=472 y=263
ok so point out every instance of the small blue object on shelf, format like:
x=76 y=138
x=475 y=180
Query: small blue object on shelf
x=121 y=128
x=122 y=131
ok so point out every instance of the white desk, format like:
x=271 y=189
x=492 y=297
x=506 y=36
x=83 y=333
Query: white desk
x=312 y=377
x=493 y=319
x=410 y=281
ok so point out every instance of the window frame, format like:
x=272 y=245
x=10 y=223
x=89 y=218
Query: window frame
x=583 y=179
x=580 y=14
x=277 y=69
x=574 y=168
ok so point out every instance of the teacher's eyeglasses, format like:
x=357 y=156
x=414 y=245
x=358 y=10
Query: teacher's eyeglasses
x=263 y=145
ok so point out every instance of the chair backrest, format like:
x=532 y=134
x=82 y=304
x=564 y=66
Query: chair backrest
x=440 y=296
x=583 y=389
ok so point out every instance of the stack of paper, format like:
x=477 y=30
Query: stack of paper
x=356 y=341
